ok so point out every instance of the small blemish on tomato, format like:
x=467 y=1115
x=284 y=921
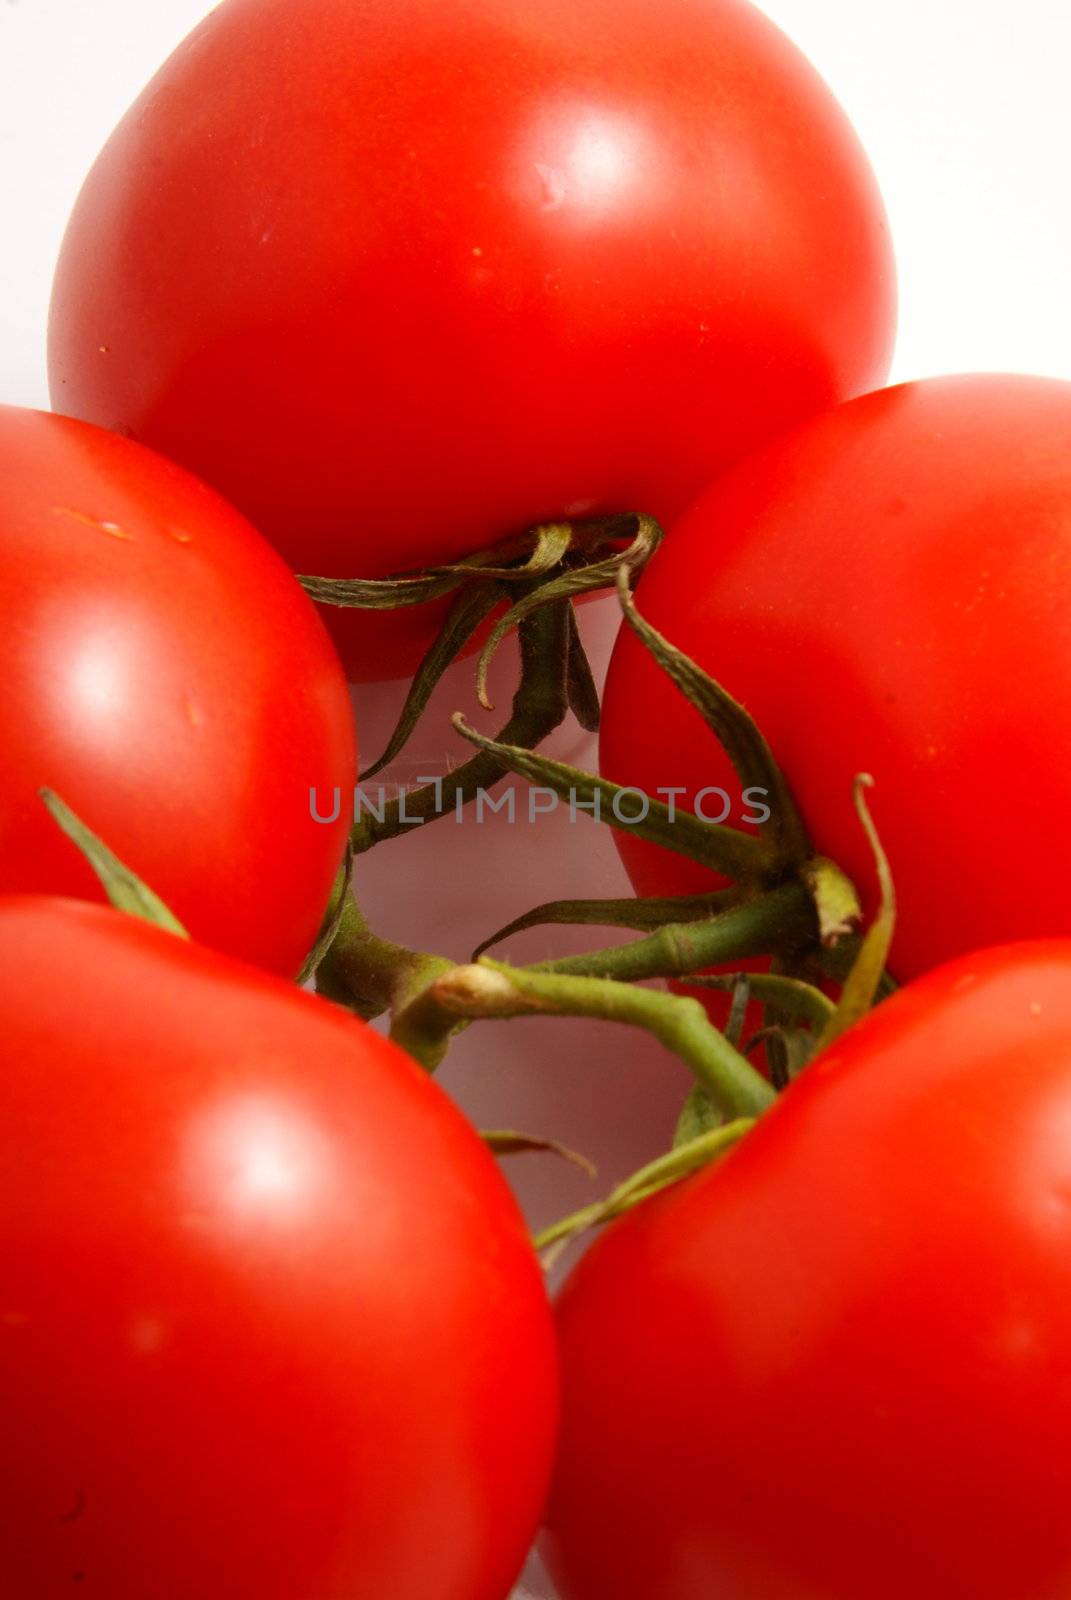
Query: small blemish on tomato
x=552 y=185
x=112 y=529
x=197 y=1221
x=14 y=1319
x=77 y=1509
x=148 y=1335
x=194 y=715
x=179 y=535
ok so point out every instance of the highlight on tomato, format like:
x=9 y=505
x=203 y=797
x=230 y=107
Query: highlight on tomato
x=838 y=1363
x=165 y=675
x=402 y=279
x=887 y=590
x=271 y=1324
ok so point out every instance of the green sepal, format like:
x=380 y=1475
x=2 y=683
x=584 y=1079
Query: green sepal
x=580 y=687
x=836 y=901
x=474 y=604
x=863 y=983
x=578 y=580
x=724 y=850
x=336 y=912
x=507 y=1142
x=736 y=731
x=682 y=1162
x=125 y=890
x=641 y=914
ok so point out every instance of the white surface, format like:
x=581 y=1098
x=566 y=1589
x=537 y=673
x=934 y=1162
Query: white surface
x=964 y=109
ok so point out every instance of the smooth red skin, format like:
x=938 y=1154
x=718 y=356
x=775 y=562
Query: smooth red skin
x=270 y=1323
x=888 y=590
x=403 y=278
x=839 y=1364
x=173 y=684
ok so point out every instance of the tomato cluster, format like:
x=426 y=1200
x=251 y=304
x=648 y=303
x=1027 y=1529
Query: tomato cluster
x=440 y=307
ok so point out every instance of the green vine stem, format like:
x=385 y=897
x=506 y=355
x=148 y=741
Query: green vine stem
x=429 y=999
x=489 y=989
x=376 y=977
x=781 y=919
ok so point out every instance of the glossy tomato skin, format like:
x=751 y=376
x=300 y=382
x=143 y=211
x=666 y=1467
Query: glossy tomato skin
x=839 y=1364
x=888 y=590
x=165 y=675
x=404 y=278
x=270 y=1324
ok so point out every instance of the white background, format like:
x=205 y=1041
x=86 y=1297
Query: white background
x=963 y=106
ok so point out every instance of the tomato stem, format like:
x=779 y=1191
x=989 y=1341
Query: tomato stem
x=490 y=989
x=375 y=976
x=782 y=919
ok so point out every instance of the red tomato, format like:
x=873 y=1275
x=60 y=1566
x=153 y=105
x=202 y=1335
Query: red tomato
x=167 y=677
x=270 y=1324
x=888 y=590
x=402 y=278
x=839 y=1364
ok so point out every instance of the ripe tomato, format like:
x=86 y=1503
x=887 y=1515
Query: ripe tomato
x=888 y=590
x=270 y=1323
x=839 y=1363
x=402 y=278
x=167 y=677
